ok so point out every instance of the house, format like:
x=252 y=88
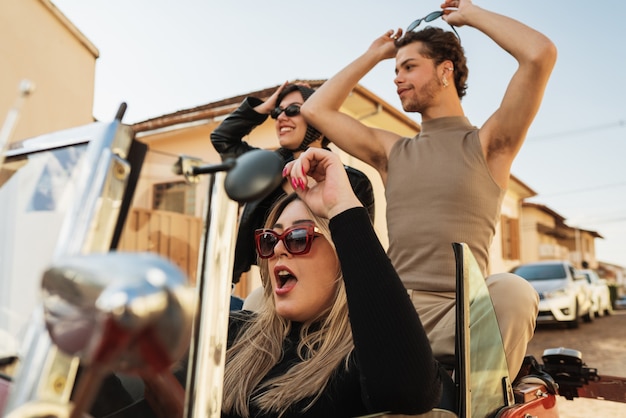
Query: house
x=545 y=235
x=506 y=249
x=38 y=43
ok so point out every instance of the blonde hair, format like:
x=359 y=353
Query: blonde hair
x=325 y=342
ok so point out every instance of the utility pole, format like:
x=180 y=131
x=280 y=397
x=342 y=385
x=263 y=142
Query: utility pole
x=26 y=87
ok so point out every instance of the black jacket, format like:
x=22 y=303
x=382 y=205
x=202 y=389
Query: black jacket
x=227 y=139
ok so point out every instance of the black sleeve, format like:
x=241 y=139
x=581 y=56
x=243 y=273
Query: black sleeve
x=398 y=371
x=227 y=137
x=363 y=190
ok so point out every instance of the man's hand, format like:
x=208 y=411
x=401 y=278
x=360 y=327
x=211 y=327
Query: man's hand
x=385 y=45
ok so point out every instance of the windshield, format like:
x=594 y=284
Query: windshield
x=38 y=190
x=166 y=214
x=35 y=194
x=541 y=272
x=591 y=277
x=488 y=365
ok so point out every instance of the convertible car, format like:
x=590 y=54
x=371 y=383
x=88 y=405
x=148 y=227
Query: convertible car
x=96 y=279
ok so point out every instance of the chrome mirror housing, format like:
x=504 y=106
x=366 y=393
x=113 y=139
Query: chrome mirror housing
x=112 y=309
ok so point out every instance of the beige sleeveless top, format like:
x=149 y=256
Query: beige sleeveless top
x=439 y=190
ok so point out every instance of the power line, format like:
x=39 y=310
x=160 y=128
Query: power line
x=587 y=189
x=589 y=129
x=606 y=221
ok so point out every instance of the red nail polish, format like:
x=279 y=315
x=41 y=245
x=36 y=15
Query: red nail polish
x=294 y=184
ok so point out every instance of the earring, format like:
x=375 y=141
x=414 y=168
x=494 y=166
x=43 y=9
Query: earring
x=445 y=82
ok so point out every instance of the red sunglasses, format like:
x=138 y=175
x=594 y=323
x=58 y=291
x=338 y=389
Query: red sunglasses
x=297 y=239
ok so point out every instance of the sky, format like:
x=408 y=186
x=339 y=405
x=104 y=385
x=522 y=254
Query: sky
x=161 y=56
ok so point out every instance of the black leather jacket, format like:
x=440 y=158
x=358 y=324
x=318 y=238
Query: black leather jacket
x=227 y=139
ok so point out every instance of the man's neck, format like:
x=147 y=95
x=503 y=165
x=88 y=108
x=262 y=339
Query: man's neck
x=440 y=112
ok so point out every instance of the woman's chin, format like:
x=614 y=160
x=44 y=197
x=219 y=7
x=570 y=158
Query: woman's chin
x=288 y=311
x=289 y=144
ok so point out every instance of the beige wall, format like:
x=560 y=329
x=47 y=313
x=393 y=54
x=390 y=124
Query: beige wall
x=530 y=238
x=589 y=249
x=545 y=236
x=38 y=43
x=581 y=247
x=536 y=243
x=510 y=208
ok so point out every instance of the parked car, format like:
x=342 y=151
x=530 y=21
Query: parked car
x=620 y=302
x=564 y=294
x=600 y=295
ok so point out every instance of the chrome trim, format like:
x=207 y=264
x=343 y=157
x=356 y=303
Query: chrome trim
x=88 y=226
x=208 y=352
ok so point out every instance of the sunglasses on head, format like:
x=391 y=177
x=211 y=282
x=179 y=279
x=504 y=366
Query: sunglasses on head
x=297 y=240
x=291 y=110
x=429 y=18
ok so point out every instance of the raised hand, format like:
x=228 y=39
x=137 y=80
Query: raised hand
x=319 y=177
x=385 y=44
x=270 y=104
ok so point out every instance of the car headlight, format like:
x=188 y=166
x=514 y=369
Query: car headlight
x=557 y=293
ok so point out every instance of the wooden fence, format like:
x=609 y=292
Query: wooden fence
x=172 y=235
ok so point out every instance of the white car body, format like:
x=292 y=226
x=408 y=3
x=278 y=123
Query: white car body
x=600 y=295
x=564 y=295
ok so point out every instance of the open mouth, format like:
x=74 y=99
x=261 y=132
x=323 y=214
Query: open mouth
x=285 y=280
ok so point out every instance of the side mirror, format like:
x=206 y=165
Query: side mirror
x=255 y=174
x=117 y=312
x=114 y=309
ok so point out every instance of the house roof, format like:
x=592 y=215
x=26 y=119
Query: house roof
x=71 y=27
x=522 y=188
x=226 y=106
x=545 y=209
x=560 y=220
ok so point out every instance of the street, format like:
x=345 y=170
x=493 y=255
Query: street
x=603 y=346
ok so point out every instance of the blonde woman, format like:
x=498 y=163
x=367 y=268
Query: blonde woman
x=336 y=334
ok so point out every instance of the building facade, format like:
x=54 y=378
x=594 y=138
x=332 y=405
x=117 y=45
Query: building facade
x=39 y=44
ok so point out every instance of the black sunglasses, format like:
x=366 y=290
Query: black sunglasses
x=297 y=240
x=291 y=110
x=429 y=18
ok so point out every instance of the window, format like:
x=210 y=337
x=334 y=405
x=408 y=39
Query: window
x=510 y=238
x=178 y=197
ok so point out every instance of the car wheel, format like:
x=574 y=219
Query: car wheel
x=601 y=311
x=589 y=316
x=576 y=321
